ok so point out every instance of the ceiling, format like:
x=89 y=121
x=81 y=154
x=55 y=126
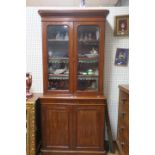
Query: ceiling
x=76 y=3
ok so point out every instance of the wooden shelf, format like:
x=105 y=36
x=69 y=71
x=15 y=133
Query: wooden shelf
x=58 y=60
x=58 y=76
x=87 y=77
x=89 y=42
x=88 y=60
x=58 y=40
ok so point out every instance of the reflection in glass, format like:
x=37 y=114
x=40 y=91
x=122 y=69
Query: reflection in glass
x=58 y=68
x=88 y=51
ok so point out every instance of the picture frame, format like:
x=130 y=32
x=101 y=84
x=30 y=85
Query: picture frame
x=121 y=57
x=121 y=25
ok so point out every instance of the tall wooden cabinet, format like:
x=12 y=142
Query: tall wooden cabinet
x=73 y=105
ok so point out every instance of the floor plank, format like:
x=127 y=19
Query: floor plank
x=116 y=153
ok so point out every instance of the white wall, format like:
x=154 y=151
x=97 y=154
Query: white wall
x=113 y=75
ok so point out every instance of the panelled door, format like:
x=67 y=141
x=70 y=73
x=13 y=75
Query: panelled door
x=88 y=127
x=56 y=126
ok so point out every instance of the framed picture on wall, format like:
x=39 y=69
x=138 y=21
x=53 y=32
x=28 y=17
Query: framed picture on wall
x=121 y=25
x=121 y=57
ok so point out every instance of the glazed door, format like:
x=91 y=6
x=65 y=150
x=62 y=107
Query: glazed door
x=57 y=44
x=89 y=52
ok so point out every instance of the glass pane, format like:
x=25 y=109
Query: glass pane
x=58 y=62
x=88 y=47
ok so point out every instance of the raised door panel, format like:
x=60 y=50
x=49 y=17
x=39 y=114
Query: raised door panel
x=89 y=127
x=56 y=126
x=126 y=113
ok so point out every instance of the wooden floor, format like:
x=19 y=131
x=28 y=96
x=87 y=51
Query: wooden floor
x=108 y=153
x=116 y=153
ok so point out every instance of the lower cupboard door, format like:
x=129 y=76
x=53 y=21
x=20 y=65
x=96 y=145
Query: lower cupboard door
x=56 y=127
x=89 y=127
